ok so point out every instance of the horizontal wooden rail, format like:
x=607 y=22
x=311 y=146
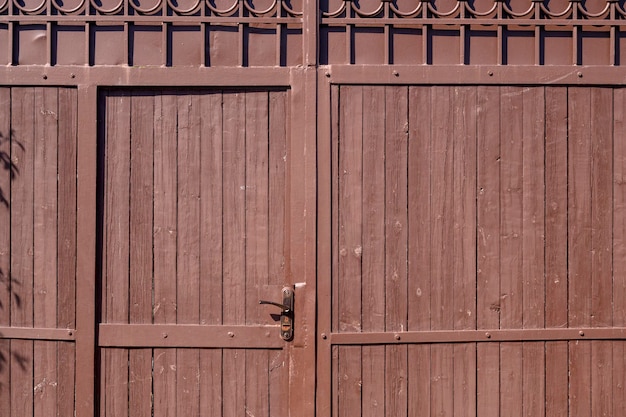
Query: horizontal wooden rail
x=470 y=336
x=37 y=333
x=189 y=336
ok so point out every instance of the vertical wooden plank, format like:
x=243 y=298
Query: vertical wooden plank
x=45 y=247
x=278 y=116
x=533 y=208
x=619 y=248
x=419 y=246
x=533 y=272
x=188 y=249
x=511 y=284
x=87 y=144
x=579 y=244
x=333 y=316
x=23 y=157
x=302 y=219
x=6 y=290
x=396 y=244
x=373 y=243
x=66 y=246
x=556 y=353
x=601 y=247
x=464 y=246
x=257 y=241
x=211 y=246
x=141 y=226
x=164 y=250
x=442 y=241
x=464 y=212
x=350 y=245
x=488 y=246
x=233 y=256
x=117 y=206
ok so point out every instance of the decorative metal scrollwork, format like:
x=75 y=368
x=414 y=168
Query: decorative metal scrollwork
x=37 y=9
x=146 y=11
x=418 y=12
x=96 y=4
x=463 y=9
x=271 y=10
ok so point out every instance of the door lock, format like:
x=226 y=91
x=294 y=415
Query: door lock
x=286 y=314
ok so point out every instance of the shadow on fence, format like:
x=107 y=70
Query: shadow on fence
x=8 y=283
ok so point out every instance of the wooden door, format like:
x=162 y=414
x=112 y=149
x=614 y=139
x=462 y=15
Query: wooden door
x=195 y=230
x=477 y=256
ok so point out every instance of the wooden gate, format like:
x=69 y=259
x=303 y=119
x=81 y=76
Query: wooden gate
x=194 y=234
x=477 y=251
x=440 y=183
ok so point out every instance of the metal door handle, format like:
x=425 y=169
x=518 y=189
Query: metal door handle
x=286 y=314
x=285 y=308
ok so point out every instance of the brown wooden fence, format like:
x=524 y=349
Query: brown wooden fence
x=440 y=183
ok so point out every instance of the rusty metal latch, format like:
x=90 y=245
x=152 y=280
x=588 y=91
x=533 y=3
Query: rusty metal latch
x=286 y=314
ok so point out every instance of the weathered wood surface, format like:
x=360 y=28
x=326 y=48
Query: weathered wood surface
x=37 y=248
x=502 y=210
x=194 y=226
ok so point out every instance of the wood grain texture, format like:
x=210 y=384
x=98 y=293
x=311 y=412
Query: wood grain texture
x=164 y=248
x=233 y=246
x=211 y=245
x=601 y=116
x=188 y=249
x=22 y=274
x=188 y=208
x=556 y=231
x=66 y=245
x=619 y=247
x=117 y=229
x=511 y=223
x=350 y=244
x=6 y=288
x=333 y=319
x=278 y=120
x=396 y=234
x=533 y=244
x=257 y=243
x=580 y=245
x=141 y=244
x=419 y=250
x=488 y=245
x=442 y=241
x=373 y=248
x=45 y=246
x=464 y=246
